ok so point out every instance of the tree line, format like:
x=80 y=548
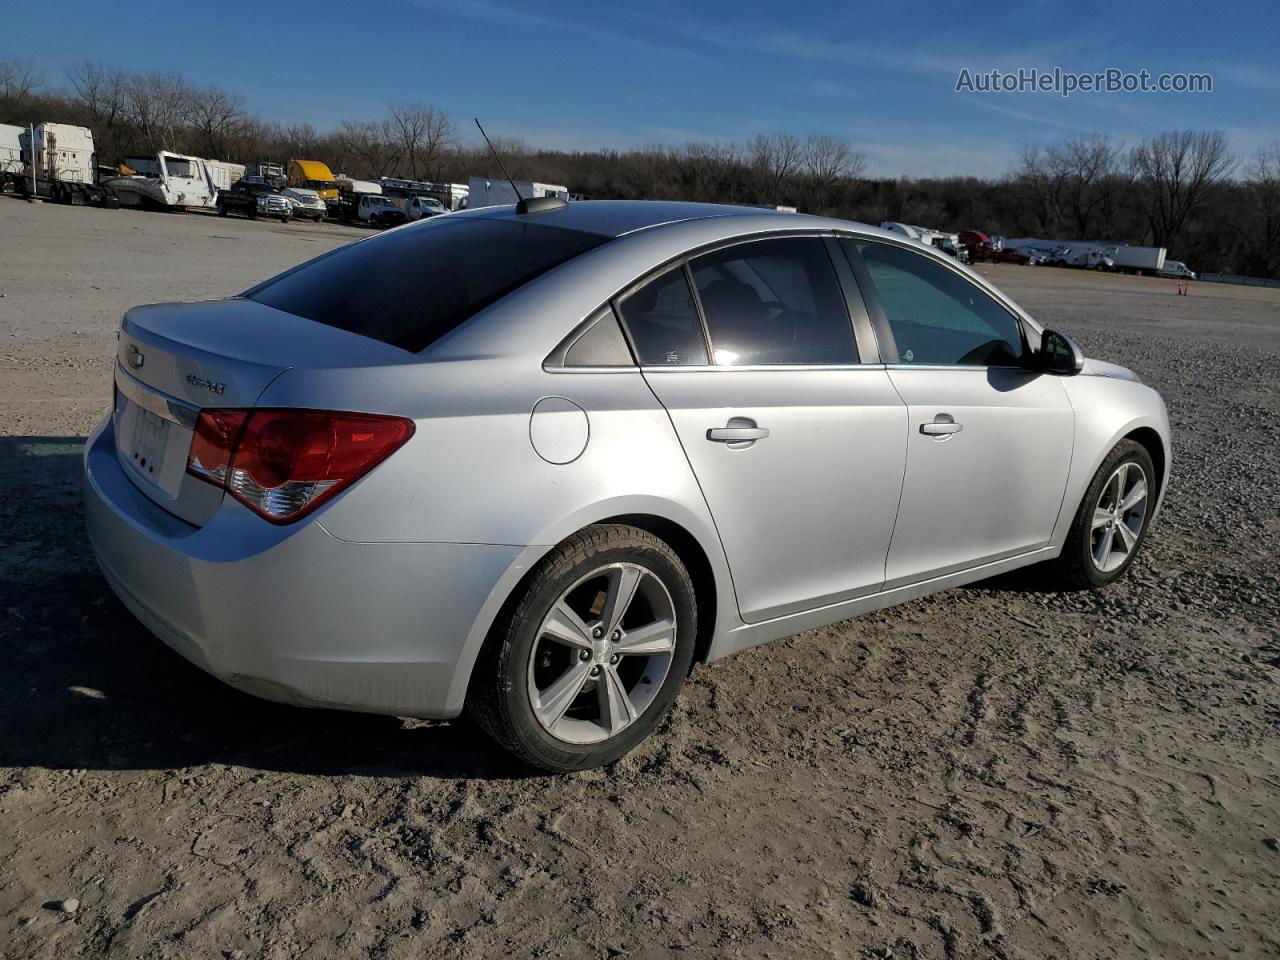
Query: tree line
x=1181 y=189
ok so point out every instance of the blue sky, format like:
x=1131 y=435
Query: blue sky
x=581 y=75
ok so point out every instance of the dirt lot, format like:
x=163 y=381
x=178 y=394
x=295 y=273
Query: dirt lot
x=992 y=772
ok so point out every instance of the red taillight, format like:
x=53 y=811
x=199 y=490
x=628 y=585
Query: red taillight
x=282 y=464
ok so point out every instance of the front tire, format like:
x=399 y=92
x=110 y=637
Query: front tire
x=1111 y=523
x=591 y=653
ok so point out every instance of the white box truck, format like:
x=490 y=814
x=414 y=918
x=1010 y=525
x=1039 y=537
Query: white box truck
x=1148 y=261
x=492 y=191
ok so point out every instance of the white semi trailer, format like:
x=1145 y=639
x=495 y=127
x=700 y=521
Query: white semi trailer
x=492 y=191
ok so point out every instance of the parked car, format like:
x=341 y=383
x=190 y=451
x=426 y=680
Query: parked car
x=254 y=198
x=1009 y=255
x=536 y=461
x=307 y=204
x=415 y=208
x=1176 y=268
x=379 y=211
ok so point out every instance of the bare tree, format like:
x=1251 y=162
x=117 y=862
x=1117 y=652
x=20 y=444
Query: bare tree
x=18 y=80
x=422 y=132
x=1263 y=182
x=218 y=118
x=99 y=90
x=1178 y=171
x=776 y=159
x=159 y=106
x=1084 y=166
x=368 y=147
x=829 y=162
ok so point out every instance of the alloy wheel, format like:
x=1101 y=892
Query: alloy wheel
x=1118 y=517
x=602 y=653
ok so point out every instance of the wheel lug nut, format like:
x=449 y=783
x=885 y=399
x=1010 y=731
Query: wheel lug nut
x=584 y=655
x=598 y=632
x=617 y=635
x=595 y=671
x=614 y=658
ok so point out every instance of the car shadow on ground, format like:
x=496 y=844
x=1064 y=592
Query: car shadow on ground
x=85 y=686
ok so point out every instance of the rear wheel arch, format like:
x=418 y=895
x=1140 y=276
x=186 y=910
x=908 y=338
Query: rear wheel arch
x=695 y=560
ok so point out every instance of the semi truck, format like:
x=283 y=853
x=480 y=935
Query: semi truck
x=57 y=161
x=10 y=156
x=492 y=191
x=316 y=176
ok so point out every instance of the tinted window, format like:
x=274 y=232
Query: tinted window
x=664 y=322
x=774 y=301
x=936 y=315
x=411 y=287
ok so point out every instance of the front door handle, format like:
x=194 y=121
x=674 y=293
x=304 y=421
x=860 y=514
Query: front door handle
x=943 y=425
x=738 y=430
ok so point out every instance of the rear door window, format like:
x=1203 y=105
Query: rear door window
x=411 y=287
x=774 y=302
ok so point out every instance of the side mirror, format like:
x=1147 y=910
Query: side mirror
x=1059 y=355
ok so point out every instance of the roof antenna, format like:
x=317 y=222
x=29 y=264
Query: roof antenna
x=523 y=205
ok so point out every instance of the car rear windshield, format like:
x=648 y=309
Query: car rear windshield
x=411 y=287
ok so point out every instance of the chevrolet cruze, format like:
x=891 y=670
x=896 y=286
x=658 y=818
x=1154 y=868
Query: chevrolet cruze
x=535 y=462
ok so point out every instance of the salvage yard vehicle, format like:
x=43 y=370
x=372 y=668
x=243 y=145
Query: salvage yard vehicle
x=379 y=211
x=535 y=462
x=254 y=199
x=65 y=165
x=307 y=204
x=174 y=181
x=416 y=208
x=314 y=175
x=1145 y=261
x=11 y=163
x=1176 y=268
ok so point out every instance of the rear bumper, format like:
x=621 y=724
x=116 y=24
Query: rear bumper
x=291 y=613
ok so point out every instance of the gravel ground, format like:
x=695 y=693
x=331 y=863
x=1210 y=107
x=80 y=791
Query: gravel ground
x=990 y=772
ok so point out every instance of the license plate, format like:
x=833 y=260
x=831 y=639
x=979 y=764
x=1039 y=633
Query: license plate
x=150 y=437
x=152 y=447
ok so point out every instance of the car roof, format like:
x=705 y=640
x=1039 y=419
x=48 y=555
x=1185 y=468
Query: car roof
x=615 y=218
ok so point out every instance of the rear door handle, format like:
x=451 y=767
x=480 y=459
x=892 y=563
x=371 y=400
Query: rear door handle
x=943 y=426
x=738 y=430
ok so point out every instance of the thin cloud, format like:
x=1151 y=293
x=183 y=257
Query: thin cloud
x=485 y=11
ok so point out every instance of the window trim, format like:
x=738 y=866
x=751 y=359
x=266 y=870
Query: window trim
x=683 y=260
x=866 y=321
x=884 y=334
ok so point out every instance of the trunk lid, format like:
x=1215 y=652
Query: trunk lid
x=175 y=359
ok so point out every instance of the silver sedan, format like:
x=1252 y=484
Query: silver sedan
x=535 y=462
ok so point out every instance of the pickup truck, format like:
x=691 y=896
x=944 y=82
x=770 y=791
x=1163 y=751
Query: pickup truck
x=254 y=198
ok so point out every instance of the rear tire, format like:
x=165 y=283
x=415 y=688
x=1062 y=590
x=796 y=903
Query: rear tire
x=551 y=686
x=1111 y=523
